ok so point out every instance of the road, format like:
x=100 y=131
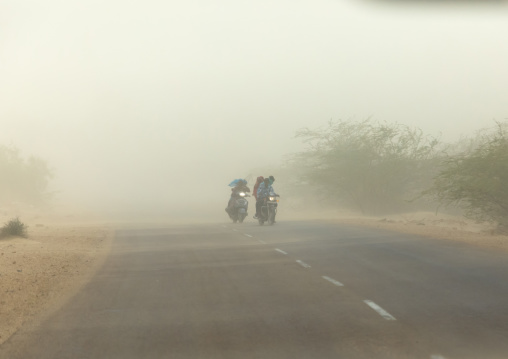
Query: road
x=294 y=290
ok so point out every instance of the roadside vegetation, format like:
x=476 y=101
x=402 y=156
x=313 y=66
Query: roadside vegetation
x=475 y=178
x=23 y=180
x=366 y=166
x=14 y=228
x=381 y=168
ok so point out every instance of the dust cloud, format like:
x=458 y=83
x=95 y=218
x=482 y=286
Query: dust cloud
x=152 y=108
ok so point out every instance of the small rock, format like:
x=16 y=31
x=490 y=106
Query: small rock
x=20 y=270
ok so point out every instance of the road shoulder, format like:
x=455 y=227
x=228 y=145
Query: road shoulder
x=430 y=225
x=40 y=273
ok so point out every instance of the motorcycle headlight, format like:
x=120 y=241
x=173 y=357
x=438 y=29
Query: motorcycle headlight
x=272 y=198
x=242 y=194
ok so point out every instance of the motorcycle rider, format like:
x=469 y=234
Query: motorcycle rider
x=241 y=186
x=263 y=191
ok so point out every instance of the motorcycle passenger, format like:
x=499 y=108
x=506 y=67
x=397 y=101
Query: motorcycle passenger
x=241 y=186
x=263 y=192
x=259 y=180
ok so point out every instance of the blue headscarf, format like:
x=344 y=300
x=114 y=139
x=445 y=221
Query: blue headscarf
x=236 y=181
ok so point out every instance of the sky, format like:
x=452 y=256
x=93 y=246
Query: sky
x=158 y=103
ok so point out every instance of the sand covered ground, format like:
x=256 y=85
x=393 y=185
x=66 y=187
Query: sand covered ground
x=39 y=273
x=439 y=226
x=427 y=224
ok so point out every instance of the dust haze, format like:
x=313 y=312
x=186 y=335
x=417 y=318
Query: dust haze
x=152 y=108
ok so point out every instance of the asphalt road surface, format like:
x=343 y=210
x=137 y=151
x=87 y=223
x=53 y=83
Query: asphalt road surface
x=293 y=290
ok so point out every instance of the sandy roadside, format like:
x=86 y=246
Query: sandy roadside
x=39 y=273
x=427 y=224
x=439 y=226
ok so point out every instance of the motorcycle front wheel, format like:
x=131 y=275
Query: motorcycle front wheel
x=272 y=219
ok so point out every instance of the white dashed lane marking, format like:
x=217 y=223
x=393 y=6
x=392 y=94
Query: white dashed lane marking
x=336 y=282
x=370 y=303
x=303 y=264
x=380 y=310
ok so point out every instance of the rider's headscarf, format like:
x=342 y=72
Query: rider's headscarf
x=237 y=182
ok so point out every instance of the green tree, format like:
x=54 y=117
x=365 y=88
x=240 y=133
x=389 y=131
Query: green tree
x=23 y=180
x=476 y=179
x=365 y=165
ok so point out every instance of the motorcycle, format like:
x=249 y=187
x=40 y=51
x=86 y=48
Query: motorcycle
x=269 y=209
x=238 y=210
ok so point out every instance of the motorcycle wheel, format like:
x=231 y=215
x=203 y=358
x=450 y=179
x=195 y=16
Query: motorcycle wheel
x=241 y=218
x=272 y=219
